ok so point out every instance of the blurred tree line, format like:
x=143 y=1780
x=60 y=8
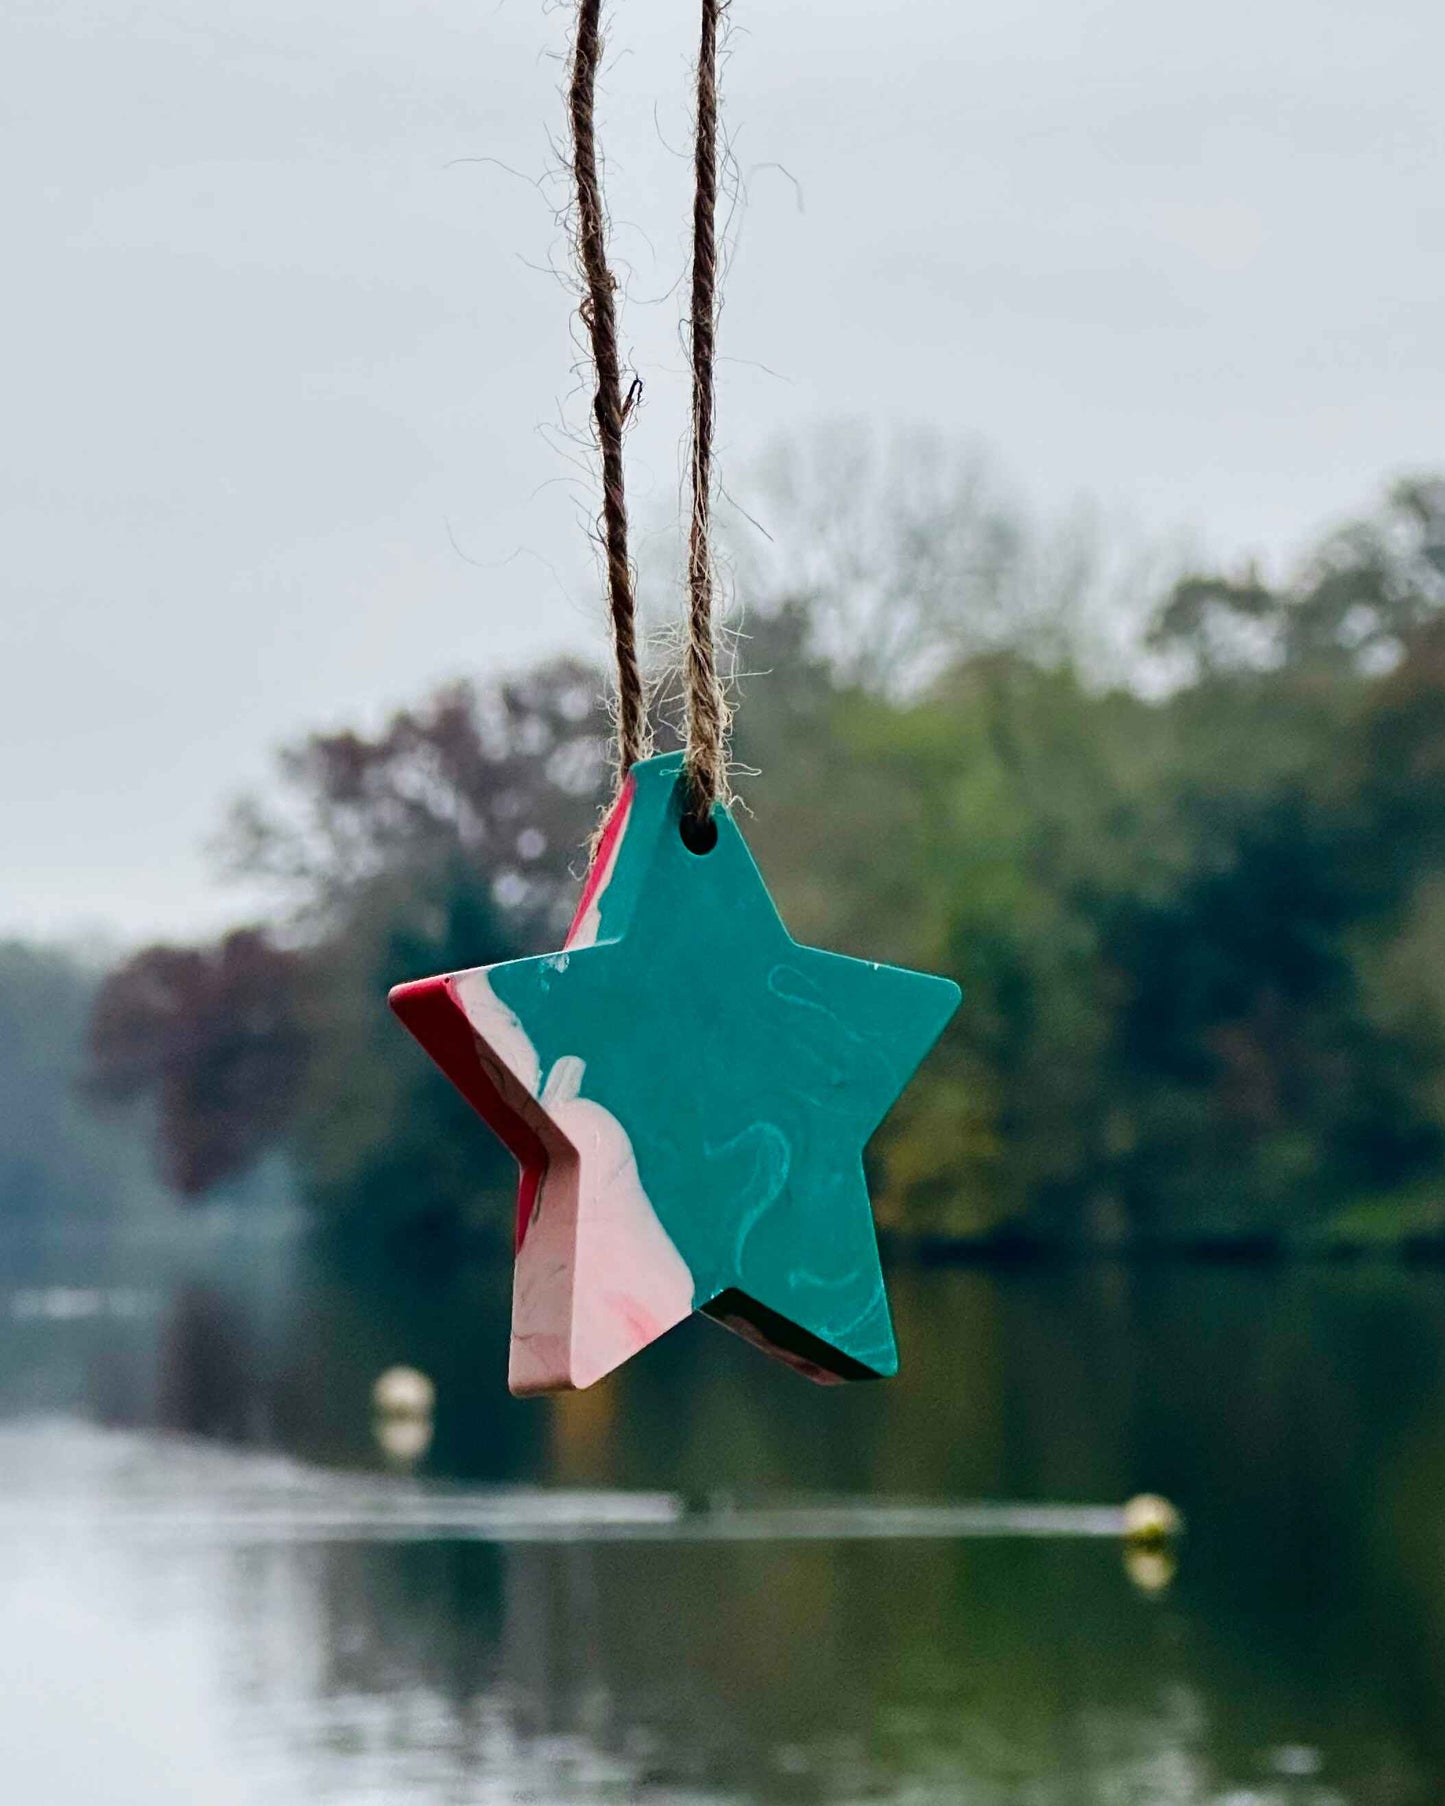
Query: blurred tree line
x=1186 y=857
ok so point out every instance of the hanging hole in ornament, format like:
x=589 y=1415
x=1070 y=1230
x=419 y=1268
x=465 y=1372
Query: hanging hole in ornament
x=698 y=836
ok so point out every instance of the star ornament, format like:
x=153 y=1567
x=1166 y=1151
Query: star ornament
x=688 y=1093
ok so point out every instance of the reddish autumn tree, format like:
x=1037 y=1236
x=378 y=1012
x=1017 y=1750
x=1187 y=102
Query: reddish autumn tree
x=449 y=838
x=506 y=779
x=212 y=1038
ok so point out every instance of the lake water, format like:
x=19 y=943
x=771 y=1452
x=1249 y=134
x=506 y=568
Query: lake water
x=217 y=1586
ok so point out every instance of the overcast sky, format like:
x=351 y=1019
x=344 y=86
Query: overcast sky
x=282 y=354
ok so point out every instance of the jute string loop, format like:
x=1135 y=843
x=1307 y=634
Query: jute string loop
x=609 y=411
x=707 y=712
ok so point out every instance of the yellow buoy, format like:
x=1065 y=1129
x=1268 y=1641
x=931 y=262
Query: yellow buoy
x=403 y=1400
x=1151 y=1521
x=403 y=1392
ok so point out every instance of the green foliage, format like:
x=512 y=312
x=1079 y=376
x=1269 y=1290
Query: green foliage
x=390 y=1155
x=1198 y=910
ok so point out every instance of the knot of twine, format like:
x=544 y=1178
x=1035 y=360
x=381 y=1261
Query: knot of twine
x=707 y=713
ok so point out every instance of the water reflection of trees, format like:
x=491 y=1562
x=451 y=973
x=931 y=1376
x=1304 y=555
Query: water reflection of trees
x=787 y=1674
x=1268 y=1403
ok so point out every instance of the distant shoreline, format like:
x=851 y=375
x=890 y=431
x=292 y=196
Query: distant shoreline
x=1247 y=1248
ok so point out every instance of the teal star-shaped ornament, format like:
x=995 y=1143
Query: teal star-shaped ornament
x=688 y=1093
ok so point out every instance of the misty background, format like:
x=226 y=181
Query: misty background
x=294 y=419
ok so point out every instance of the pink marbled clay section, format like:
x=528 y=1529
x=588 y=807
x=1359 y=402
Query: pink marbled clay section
x=597 y=1276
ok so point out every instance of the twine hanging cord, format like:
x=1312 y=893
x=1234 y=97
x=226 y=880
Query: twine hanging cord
x=707 y=707
x=707 y=714
x=609 y=411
